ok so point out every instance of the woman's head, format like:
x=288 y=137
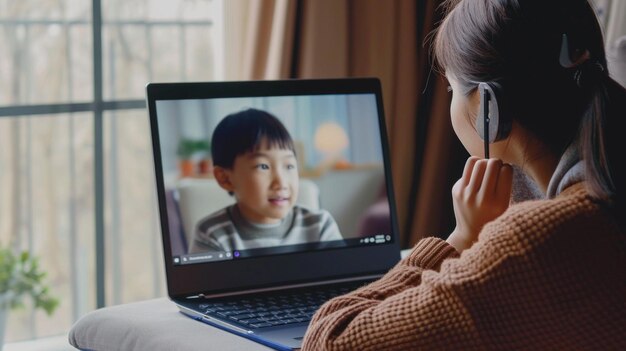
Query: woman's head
x=518 y=44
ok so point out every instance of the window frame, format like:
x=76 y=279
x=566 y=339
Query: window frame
x=98 y=106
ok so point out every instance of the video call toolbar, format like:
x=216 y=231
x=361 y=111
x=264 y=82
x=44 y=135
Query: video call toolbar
x=231 y=255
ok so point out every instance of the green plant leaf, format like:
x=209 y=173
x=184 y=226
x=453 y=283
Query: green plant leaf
x=186 y=148
x=21 y=276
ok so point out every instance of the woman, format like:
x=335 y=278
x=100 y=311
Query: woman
x=541 y=274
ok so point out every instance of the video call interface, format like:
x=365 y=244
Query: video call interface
x=256 y=176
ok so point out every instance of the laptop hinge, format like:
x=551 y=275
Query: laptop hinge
x=283 y=287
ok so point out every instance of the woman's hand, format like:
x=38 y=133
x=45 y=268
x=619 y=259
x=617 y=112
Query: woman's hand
x=480 y=196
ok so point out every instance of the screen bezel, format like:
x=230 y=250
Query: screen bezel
x=286 y=269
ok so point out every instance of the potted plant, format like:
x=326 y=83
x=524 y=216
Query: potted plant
x=192 y=152
x=20 y=276
x=186 y=149
x=205 y=165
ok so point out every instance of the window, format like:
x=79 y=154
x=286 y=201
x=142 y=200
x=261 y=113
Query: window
x=76 y=171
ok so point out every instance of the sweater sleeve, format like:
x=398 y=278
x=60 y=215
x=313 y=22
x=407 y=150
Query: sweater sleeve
x=410 y=307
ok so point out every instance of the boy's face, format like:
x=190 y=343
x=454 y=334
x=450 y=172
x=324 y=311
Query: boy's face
x=265 y=183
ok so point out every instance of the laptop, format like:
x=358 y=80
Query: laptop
x=268 y=290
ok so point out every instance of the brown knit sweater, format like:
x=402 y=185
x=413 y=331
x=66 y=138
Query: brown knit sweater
x=546 y=275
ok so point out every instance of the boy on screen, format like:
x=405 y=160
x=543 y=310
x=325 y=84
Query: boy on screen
x=255 y=161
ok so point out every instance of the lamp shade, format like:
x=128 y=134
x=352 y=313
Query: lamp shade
x=330 y=138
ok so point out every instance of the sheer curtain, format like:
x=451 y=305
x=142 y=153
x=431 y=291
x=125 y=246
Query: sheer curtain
x=259 y=38
x=612 y=15
x=616 y=22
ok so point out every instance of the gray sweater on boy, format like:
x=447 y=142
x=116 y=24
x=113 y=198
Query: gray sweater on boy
x=227 y=230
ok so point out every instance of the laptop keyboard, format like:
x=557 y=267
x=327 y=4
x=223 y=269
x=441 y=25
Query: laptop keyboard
x=276 y=308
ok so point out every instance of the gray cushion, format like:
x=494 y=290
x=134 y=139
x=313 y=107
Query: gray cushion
x=151 y=325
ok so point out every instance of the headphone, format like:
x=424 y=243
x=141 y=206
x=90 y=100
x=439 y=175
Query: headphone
x=493 y=122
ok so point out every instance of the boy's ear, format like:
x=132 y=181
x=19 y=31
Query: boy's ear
x=222 y=176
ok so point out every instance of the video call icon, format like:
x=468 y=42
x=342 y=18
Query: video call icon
x=376 y=239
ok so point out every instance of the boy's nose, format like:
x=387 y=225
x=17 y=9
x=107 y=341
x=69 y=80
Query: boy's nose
x=280 y=180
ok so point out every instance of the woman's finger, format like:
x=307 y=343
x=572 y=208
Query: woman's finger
x=490 y=180
x=467 y=171
x=477 y=176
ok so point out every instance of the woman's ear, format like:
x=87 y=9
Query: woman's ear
x=473 y=105
x=222 y=175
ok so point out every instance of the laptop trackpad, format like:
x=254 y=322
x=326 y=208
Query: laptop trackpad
x=290 y=337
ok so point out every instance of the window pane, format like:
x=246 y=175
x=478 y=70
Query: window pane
x=40 y=9
x=149 y=40
x=159 y=10
x=125 y=62
x=45 y=41
x=199 y=54
x=135 y=269
x=46 y=182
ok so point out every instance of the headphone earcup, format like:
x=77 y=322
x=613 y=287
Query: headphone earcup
x=499 y=120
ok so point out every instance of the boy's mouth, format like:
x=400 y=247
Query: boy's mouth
x=279 y=200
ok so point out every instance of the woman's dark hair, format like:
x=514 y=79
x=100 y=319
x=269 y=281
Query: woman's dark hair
x=517 y=43
x=242 y=132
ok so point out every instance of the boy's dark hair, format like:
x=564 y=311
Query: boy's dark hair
x=242 y=132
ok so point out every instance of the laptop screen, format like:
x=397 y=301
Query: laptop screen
x=247 y=177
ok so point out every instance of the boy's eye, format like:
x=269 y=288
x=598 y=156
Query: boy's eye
x=290 y=166
x=263 y=166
